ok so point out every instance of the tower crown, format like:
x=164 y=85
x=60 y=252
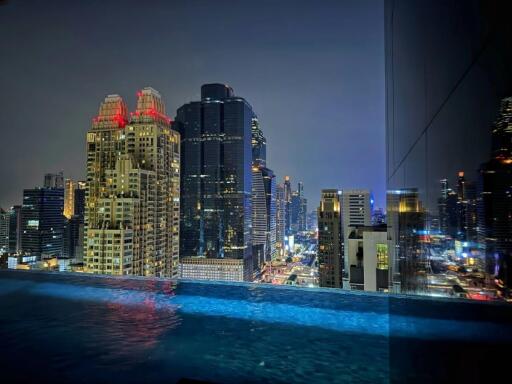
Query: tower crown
x=150 y=107
x=113 y=113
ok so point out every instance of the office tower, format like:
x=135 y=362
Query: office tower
x=356 y=211
x=4 y=231
x=269 y=182
x=74 y=209
x=287 y=206
x=15 y=229
x=303 y=208
x=367 y=252
x=69 y=198
x=452 y=213
x=312 y=221
x=330 y=239
x=407 y=259
x=54 y=180
x=263 y=200
x=259 y=143
x=79 y=199
x=442 y=206
x=263 y=215
x=281 y=219
x=294 y=212
x=356 y=207
x=298 y=209
x=259 y=218
x=132 y=193
x=216 y=185
x=73 y=241
x=42 y=222
x=495 y=202
x=456 y=74
x=470 y=213
x=461 y=206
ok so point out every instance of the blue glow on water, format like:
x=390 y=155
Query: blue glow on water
x=345 y=321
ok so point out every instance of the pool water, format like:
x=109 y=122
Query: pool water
x=82 y=328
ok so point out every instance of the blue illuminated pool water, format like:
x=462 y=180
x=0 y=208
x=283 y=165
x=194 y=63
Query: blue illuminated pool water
x=75 y=328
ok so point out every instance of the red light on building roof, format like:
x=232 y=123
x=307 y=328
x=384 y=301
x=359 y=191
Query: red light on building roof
x=461 y=174
x=139 y=93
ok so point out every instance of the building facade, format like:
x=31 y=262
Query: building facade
x=132 y=194
x=366 y=249
x=216 y=182
x=4 y=231
x=42 y=222
x=356 y=210
x=330 y=240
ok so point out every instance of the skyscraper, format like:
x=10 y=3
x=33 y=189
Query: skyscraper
x=74 y=209
x=269 y=182
x=495 y=201
x=54 y=180
x=356 y=210
x=42 y=223
x=298 y=209
x=259 y=217
x=216 y=185
x=303 y=208
x=15 y=229
x=132 y=195
x=330 y=239
x=259 y=143
x=4 y=231
x=280 y=219
x=287 y=206
x=263 y=200
x=407 y=259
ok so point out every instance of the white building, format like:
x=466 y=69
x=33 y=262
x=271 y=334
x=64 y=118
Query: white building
x=356 y=210
x=366 y=253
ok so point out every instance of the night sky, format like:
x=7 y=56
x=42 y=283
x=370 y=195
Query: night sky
x=312 y=70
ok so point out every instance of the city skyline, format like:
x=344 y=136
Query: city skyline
x=291 y=90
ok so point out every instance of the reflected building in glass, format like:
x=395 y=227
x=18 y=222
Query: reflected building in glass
x=216 y=185
x=448 y=68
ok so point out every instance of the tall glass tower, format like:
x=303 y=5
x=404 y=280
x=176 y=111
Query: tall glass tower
x=216 y=185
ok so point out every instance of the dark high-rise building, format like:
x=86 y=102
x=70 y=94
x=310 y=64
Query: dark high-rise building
x=281 y=219
x=287 y=206
x=79 y=200
x=74 y=225
x=330 y=240
x=15 y=229
x=448 y=65
x=294 y=212
x=54 y=180
x=259 y=143
x=4 y=231
x=216 y=185
x=269 y=182
x=73 y=237
x=495 y=202
x=442 y=207
x=407 y=257
x=263 y=200
x=303 y=210
x=42 y=221
x=298 y=209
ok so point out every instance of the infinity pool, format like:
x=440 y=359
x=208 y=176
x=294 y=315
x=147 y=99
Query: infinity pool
x=81 y=328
